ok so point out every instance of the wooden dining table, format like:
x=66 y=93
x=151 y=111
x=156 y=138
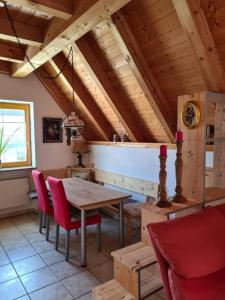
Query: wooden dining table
x=86 y=195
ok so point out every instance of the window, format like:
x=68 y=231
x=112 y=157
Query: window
x=15 y=122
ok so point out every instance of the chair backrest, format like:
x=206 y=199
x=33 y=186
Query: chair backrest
x=60 y=203
x=42 y=192
x=191 y=247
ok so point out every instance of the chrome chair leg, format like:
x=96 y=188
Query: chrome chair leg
x=57 y=237
x=67 y=245
x=99 y=246
x=47 y=227
x=40 y=221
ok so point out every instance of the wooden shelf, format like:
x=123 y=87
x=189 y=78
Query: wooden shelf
x=111 y=290
x=214 y=194
x=135 y=256
x=175 y=208
x=138 y=145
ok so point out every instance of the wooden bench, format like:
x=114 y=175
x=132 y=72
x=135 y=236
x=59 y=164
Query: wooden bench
x=132 y=211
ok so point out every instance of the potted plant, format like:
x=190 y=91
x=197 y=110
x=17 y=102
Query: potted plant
x=4 y=143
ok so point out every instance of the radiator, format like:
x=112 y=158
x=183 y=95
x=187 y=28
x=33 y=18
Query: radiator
x=13 y=193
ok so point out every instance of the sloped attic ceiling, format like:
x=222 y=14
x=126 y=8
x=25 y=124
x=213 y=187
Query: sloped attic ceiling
x=132 y=58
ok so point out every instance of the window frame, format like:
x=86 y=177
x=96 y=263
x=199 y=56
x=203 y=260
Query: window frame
x=26 y=108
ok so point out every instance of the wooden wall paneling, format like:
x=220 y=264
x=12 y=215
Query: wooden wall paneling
x=194 y=22
x=193 y=149
x=145 y=78
x=94 y=66
x=94 y=112
x=63 y=9
x=28 y=34
x=58 y=36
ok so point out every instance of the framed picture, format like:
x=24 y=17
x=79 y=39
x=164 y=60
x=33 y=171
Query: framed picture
x=52 y=130
x=190 y=115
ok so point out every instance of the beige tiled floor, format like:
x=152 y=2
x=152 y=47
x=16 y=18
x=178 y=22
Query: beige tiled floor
x=30 y=268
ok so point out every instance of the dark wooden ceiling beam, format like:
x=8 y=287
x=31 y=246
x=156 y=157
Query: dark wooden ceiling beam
x=11 y=52
x=63 y=9
x=195 y=25
x=103 y=82
x=5 y=67
x=142 y=72
x=94 y=112
x=28 y=34
x=60 y=35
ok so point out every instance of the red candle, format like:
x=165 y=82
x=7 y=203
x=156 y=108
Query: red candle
x=163 y=150
x=179 y=136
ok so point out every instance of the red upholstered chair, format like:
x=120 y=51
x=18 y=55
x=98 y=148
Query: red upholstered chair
x=62 y=214
x=191 y=254
x=43 y=200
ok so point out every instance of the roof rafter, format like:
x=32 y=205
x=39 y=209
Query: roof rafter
x=94 y=66
x=88 y=15
x=5 y=67
x=195 y=25
x=136 y=60
x=63 y=9
x=95 y=114
x=28 y=34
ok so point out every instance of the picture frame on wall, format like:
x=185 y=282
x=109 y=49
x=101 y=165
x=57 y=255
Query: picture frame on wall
x=52 y=130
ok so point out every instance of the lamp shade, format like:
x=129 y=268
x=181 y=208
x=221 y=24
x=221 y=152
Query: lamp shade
x=80 y=147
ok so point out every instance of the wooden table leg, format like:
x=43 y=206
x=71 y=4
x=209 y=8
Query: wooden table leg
x=83 y=239
x=121 y=225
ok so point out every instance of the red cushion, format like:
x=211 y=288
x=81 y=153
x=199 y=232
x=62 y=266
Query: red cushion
x=221 y=208
x=194 y=245
x=211 y=287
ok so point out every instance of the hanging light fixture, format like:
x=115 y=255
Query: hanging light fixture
x=73 y=124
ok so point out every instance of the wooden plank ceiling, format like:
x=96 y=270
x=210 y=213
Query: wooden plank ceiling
x=132 y=58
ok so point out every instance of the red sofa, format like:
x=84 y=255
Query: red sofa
x=191 y=254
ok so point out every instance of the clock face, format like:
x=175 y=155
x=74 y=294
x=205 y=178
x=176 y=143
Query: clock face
x=190 y=115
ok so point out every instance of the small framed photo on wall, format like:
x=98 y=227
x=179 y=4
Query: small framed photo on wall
x=52 y=130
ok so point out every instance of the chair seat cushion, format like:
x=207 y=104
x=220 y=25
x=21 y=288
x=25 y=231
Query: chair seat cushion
x=211 y=287
x=90 y=220
x=194 y=246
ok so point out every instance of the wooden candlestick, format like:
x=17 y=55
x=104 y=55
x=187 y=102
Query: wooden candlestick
x=179 y=198
x=162 y=201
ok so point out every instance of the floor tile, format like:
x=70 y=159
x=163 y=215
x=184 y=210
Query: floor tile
x=52 y=292
x=103 y=272
x=11 y=289
x=80 y=283
x=52 y=257
x=23 y=298
x=3 y=257
x=94 y=258
x=13 y=242
x=7 y=272
x=35 y=237
x=86 y=297
x=29 y=265
x=38 y=279
x=66 y=269
x=21 y=253
x=43 y=246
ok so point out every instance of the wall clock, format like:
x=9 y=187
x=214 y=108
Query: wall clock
x=190 y=115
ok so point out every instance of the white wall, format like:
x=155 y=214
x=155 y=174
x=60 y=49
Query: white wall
x=48 y=156
x=136 y=162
